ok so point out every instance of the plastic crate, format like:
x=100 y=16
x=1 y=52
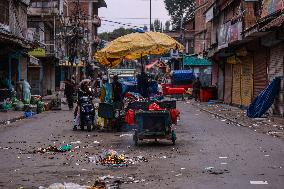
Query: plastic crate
x=106 y=110
x=153 y=122
x=168 y=104
x=139 y=105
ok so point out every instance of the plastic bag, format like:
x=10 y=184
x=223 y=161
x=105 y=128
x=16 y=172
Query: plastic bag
x=154 y=107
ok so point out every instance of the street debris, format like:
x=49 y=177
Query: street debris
x=76 y=142
x=96 y=142
x=113 y=158
x=63 y=148
x=223 y=157
x=126 y=135
x=258 y=182
x=213 y=171
x=97 y=185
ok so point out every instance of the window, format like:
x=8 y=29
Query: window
x=4 y=9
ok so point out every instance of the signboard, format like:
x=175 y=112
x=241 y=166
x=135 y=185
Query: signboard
x=38 y=52
x=209 y=15
x=235 y=32
x=271 y=6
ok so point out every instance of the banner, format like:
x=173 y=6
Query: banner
x=271 y=6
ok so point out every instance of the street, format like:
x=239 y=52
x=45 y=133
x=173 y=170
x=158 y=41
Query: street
x=209 y=153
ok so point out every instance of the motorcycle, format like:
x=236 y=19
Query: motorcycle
x=87 y=112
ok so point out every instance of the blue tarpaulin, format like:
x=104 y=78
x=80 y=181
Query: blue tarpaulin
x=179 y=75
x=264 y=100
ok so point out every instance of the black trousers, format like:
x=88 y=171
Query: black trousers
x=70 y=101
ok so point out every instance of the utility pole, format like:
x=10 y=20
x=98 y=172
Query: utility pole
x=150 y=15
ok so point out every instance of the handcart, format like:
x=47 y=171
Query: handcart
x=153 y=125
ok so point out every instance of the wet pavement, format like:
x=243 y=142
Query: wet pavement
x=209 y=153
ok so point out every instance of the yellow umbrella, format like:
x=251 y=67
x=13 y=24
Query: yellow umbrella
x=136 y=45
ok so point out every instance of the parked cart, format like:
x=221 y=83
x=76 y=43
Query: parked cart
x=154 y=125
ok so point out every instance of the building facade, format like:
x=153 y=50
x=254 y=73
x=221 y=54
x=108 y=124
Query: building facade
x=244 y=40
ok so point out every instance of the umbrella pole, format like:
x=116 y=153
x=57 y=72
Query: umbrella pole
x=142 y=66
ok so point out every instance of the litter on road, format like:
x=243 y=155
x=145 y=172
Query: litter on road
x=258 y=182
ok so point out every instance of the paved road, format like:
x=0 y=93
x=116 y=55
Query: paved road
x=202 y=139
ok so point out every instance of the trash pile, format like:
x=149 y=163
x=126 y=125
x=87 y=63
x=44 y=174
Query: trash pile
x=110 y=158
x=113 y=158
x=97 y=185
x=63 y=148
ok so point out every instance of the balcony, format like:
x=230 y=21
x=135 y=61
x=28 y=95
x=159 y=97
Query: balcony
x=39 y=8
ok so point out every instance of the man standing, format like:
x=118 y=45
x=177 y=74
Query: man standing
x=116 y=90
x=69 y=91
x=196 y=89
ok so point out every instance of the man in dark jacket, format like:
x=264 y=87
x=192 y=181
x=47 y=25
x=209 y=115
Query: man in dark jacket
x=69 y=92
x=196 y=89
x=116 y=89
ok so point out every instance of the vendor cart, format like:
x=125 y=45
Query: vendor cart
x=153 y=125
x=113 y=112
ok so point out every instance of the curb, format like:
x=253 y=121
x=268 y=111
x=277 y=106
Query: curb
x=221 y=116
x=5 y=122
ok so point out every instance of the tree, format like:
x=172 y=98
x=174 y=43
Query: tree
x=179 y=9
x=167 y=26
x=109 y=36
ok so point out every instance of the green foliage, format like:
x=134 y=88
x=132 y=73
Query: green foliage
x=109 y=36
x=178 y=9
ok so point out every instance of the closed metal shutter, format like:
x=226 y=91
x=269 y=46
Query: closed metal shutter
x=247 y=80
x=220 y=84
x=276 y=69
x=260 y=71
x=214 y=74
x=236 y=87
x=228 y=84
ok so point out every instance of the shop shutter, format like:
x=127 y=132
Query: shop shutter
x=276 y=69
x=247 y=80
x=236 y=87
x=220 y=84
x=228 y=84
x=260 y=71
x=214 y=74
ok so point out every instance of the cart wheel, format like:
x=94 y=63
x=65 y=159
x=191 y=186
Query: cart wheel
x=89 y=127
x=82 y=127
x=174 y=137
x=135 y=138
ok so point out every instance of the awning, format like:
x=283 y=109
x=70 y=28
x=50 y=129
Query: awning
x=195 y=61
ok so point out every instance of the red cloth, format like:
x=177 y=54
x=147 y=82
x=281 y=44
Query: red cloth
x=176 y=91
x=129 y=118
x=154 y=107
